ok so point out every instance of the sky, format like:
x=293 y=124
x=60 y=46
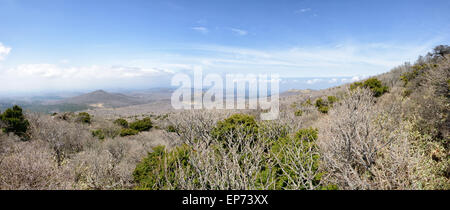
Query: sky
x=49 y=45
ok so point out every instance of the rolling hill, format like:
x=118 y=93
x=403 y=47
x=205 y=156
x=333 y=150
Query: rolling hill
x=101 y=98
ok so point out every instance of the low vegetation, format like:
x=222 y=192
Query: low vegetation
x=134 y=127
x=84 y=117
x=378 y=89
x=373 y=136
x=141 y=125
x=128 y=132
x=121 y=122
x=13 y=121
x=298 y=113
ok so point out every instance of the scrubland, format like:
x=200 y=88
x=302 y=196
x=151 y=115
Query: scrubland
x=390 y=131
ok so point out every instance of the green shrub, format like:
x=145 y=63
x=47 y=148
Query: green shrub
x=141 y=125
x=373 y=84
x=121 y=122
x=308 y=102
x=332 y=99
x=319 y=102
x=128 y=132
x=322 y=105
x=376 y=86
x=157 y=170
x=14 y=121
x=307 y=134
x=323 y=109
x=298 y=113
x=408 y=76
x=355 y=85
x=171 y=129
x=99 y=134
x=237 y=122
x=84 y=117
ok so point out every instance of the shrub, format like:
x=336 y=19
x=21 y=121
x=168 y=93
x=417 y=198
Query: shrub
x=307 y=102
x=235 y=123
x=14 y=121
x=376 y=86
x=332 y=99
x=99 y=134
x=373 y=84
x=84 y=117
x=294 y=105
x=171 y=129
x=319 y=102
x=307 y=134
x=441 y=50
x=298 y=113
x=323 y=109
x=157 y=170
x=141 y=125
x=356 y=85
x=128 y=132
x=406 y=93
x=297 y=161
x=408 y=76
x=121 y=122
x=321 y=105
x=365 y=147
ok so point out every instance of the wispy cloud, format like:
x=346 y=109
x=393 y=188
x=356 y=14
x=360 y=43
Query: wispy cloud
x=313 y=81
x=343 y=59
x=354 y=78
x=303 y=10
x=239 y=32
x=331 y=61
x=91 y=72
x=52 y=76
x=333 y=80
x=201 y=29
x=4 y=51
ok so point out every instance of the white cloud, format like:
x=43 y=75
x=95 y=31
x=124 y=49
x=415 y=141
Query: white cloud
x=334 y=80
x=36 y=77
x=333 y=61
x=89 y=72
x=337 y=60
x=239 y=31
x=313 y=81
x=200 y=29
x=303 y=10
x=4 y=51
x=354 y=78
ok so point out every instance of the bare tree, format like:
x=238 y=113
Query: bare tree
x=363 y=148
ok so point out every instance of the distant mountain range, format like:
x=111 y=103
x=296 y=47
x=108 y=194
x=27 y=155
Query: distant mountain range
x=73 y=101
x=101 y=98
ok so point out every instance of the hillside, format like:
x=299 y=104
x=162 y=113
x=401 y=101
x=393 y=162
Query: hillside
x=102 y=99
x=387 y=132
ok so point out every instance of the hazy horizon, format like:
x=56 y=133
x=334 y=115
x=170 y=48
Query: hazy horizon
x=57 y=46
x=300 y=83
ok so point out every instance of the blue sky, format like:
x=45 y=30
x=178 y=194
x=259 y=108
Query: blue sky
x=90 y=44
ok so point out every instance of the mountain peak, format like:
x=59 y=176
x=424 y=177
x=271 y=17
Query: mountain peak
x=100 y=91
